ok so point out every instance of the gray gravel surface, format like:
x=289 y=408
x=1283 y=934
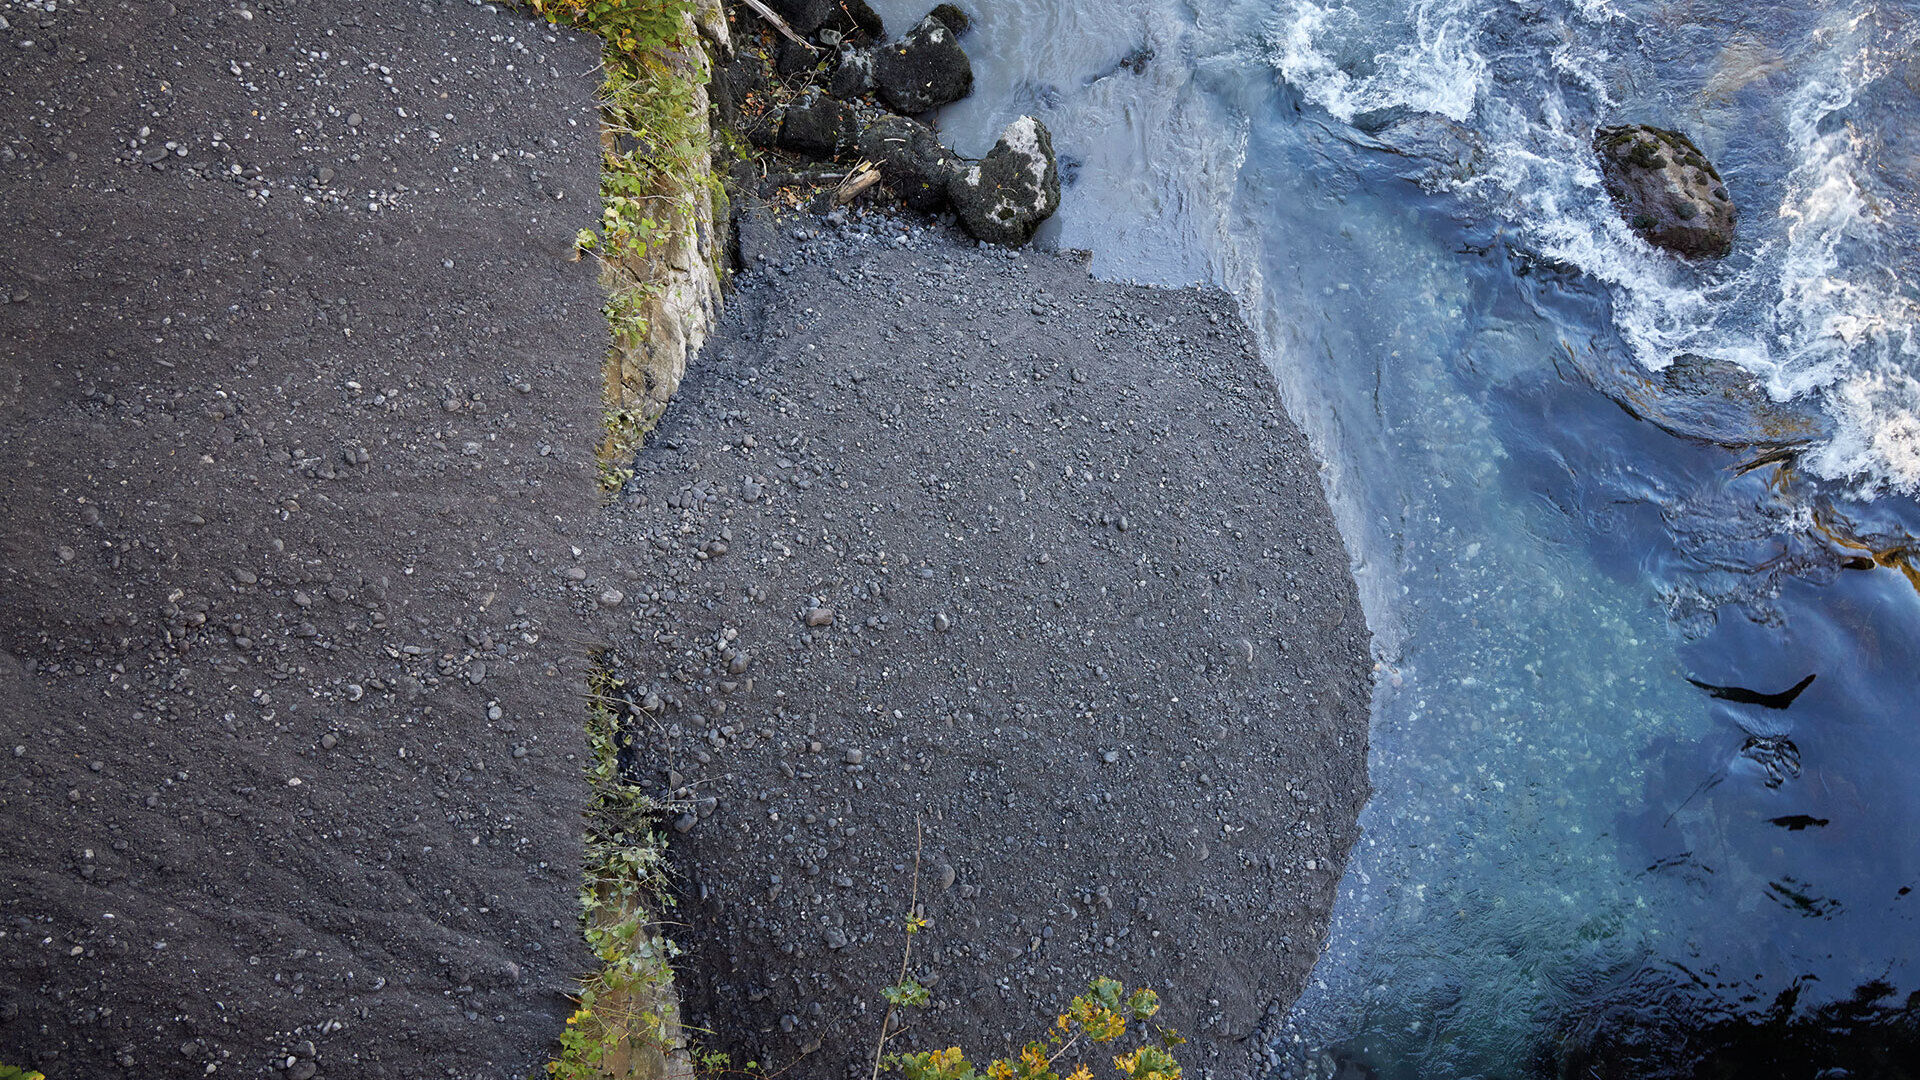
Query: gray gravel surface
x=961 y=537
x=297 y=399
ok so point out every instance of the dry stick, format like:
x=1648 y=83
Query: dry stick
x=779 y=23
x=855 y=184
x=913 y=905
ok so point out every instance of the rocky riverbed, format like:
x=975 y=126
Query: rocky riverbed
x=951 y=542
x=302 y=569
x=298 y=398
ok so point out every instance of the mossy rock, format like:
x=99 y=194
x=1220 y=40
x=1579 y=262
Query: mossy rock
x=1666 y=190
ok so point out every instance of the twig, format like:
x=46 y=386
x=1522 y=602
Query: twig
x=913 y=907
x=779 y=24
x=857 y=182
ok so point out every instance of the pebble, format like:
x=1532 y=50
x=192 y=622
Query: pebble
x=355 y=691
x=329 y=741
x=519 y=752
x=353 y=119
x=612 y=598
x=946 y=876
x=941 y=622
x=835 y=937
x=1111 y=757
x=576 y=574
x=855 y=757
x=820 y=617
x=685 y=823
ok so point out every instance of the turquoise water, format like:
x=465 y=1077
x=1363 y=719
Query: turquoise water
x=1576 y=861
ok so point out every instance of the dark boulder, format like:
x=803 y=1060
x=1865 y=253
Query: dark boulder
x=856 y=21
x=1666 y=190
x=923 y=70
x=819 y=127
x=791 y=57
x=805 y=16
x=1003 y=197
x=734 y=84
x=912 y=162
x=957 y=21
x=843 y=17
x=853 y=74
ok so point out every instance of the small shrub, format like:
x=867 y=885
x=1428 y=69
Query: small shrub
x=655 y=182
x=1099 y=1017
x=622 y=1010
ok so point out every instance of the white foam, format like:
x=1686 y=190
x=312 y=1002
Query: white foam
x=1436 y=69
x=1878 y=439
x=1808 y=307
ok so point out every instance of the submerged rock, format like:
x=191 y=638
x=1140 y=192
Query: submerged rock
x=912 y=162
x=819 y=127
x=1721 y=402
x=1004 y=197
x=923 y=70
x=1667 y=190
x=1699 y=397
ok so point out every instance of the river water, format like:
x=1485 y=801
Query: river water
x=1576 y=861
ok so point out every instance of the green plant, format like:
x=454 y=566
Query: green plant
x=624 y=1013
x=1099 y=1017
x=9 y=1072
x=656 y=184
x=626 y=25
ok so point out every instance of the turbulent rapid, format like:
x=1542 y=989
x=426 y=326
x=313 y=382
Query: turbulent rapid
x=1819 y=303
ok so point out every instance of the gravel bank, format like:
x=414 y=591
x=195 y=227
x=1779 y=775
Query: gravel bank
x=965 y=537
x=298 y=394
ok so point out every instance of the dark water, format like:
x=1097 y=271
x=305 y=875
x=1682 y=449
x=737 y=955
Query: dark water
x=1578 y=860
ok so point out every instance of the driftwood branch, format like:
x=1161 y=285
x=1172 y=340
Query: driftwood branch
x=856 y=183
x=779 y=23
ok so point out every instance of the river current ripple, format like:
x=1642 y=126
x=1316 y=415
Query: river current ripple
x=1605 y=840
